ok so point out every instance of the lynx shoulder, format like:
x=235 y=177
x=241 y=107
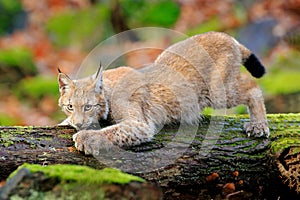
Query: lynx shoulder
x=201 y=71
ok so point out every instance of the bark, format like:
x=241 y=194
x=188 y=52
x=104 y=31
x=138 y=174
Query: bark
x=40 y=145
x=219 y=161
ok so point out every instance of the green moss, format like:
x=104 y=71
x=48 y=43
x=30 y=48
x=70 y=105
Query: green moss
x=284 y=128
x=284 y=131
x=284 y=143
x=6 y=142
x=12 y=136
x=82 y=174
x=65 y=136
x=74 y=181
x=291 y=117
x=295 y=151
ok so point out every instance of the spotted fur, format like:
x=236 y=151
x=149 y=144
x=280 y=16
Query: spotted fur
x=201 y=71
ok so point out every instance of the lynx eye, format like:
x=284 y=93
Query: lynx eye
x=87 y=107
x=70 y=107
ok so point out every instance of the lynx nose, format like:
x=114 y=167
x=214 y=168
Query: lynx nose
x=78 y=126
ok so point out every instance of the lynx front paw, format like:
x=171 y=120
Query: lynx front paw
x=257 y=129
x=91 y=142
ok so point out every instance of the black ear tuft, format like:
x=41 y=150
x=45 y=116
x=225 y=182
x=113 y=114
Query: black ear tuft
x=99 y=72
x=98 y=79
x=59 y=71
x=64 y=82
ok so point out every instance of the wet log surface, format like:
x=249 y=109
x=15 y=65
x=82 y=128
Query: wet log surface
x=217 y=161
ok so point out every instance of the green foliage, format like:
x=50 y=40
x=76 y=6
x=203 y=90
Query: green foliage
x=81 y=28
x=283 y=75
x=35 y=88
x=240 y=109
x=7 y=120
x=289 y=61
x=213 y=24
x=240 y=11
x=19 y=58
x=140 y=13
x=283 y=83
x=8 y=11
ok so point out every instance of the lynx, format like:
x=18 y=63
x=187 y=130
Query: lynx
x=201 y=71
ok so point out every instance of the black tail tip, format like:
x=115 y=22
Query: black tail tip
x=254 y=66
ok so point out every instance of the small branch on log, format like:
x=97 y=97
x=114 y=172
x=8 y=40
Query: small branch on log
x=207 y=163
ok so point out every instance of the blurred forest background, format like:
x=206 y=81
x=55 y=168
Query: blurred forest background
x=37 y=36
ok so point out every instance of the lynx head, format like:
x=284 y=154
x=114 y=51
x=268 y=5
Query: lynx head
x=83 y=100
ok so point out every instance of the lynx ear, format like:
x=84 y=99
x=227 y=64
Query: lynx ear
x=65 y=83
x=98 y=79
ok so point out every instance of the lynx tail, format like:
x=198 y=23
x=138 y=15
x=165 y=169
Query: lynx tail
x=251 y=62
x=254 y=66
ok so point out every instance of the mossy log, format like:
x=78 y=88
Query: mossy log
x=214 y=163
x=32 y=181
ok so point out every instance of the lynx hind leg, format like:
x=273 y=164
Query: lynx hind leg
x=251 y=96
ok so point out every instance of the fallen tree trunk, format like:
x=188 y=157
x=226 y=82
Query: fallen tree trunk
x=218 y=160
x=33 y=181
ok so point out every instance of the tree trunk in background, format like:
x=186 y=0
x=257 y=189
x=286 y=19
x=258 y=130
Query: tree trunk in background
x=218 y=162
